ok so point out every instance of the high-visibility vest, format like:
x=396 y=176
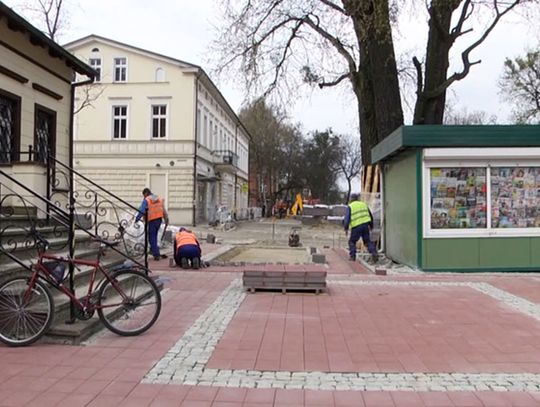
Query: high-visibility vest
x=359 y=214
x=183 y=238
x=155 y=208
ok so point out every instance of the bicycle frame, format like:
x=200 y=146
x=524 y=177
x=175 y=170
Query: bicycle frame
x=87 y=305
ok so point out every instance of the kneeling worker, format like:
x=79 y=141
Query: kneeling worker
x=187 y=249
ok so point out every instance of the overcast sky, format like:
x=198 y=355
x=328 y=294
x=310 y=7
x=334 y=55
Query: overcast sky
x=183 y=29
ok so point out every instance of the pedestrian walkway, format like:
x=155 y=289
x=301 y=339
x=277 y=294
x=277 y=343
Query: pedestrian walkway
x=405 y=340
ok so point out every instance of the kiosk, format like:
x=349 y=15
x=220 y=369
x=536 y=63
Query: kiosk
x=462 y=198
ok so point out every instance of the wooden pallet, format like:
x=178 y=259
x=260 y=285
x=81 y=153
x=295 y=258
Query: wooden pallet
x=314 y=280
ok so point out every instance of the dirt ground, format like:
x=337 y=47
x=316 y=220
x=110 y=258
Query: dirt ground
x=276 y=233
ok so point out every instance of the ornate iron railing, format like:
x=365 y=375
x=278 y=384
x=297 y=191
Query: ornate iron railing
x=99 y=210
x=71 y=202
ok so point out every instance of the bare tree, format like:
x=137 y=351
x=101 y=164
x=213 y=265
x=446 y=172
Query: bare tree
x=87 y=95
x=520 y=85
x=465 y=117
x=280 y=44
x=51 y=15
x=349 y=163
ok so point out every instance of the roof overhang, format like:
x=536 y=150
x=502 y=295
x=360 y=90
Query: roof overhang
x=37 y=38
x=442 y=136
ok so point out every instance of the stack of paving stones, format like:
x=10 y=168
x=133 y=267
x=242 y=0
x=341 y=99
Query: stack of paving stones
x=309 y=280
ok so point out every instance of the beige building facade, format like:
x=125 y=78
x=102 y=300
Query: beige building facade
x=36 y=83
x=158 y=122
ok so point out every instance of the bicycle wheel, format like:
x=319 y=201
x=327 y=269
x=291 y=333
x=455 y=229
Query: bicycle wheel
x=24 y=318
x=130 y=304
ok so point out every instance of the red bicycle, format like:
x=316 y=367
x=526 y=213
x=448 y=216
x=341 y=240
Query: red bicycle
x=127 y=301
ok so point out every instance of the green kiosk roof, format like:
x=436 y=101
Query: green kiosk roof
x=426 y=136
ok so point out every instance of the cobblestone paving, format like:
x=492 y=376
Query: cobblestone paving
x=185 y=362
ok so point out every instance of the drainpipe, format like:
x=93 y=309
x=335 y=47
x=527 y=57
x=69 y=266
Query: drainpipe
x=194 y=209
x=71 y=197
x=236 y=170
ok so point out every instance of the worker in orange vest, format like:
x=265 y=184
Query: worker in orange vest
x=156 y=213
x=187 y=249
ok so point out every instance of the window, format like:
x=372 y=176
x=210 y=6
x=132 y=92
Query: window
x=515 y=192
x=160 y=75
x=96 y=64
x=120 y=69
x=10 y=127
x=458 y=198
x=481 y=192
x=159 y=121
x=198 y=135
x=44 y=133
x=120 y=122
x=205 y=130
x=211 y=136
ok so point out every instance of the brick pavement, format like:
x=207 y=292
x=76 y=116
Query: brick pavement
x=405 y=331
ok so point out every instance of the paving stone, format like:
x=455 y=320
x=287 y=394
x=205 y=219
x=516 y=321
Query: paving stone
x=186 y=360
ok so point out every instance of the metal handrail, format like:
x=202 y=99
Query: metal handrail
x=59 y=210
x=74 y=171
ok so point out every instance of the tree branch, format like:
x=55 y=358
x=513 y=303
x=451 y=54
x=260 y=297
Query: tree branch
x=466 y=53
x=334 y=7
x=279 y=65
x=335 y=42
x=465 y=14
x=335 y=82
x=419 y=76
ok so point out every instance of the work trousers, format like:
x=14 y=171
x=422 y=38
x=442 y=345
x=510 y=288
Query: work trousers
x=189 y=251
x=153 y=230
x=360 y=231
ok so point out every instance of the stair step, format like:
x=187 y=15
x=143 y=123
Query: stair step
x=79 y=331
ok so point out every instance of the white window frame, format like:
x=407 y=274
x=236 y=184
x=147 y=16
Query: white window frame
x=481 y=158
x=160 y=75
x=115 y=66
x=152 y=117
x=113 y=117
x=205 y=130
x=210 y=134
x=98 y=67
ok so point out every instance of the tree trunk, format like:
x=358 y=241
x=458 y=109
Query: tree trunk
x=429 y=107
x=376 y=84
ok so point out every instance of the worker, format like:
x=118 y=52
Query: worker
x=359 y=220
x=187 y=250
x=156 y=213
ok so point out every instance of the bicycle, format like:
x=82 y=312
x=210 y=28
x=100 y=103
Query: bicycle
x=127 y=301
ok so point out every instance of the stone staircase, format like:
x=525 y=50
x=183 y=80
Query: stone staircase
x=16 y=237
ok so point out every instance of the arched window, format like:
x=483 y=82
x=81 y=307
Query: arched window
x=95 y=49
x=160 y=75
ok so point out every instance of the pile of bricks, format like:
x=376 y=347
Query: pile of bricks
x=314 y=280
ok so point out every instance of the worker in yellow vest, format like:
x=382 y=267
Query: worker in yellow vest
x=156 y=213
x=359 y=221
x=187 y=249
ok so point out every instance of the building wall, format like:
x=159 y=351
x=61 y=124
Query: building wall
x=198 y=125
x=400 y=209
x=35 y=64
x=139 y=92
x=111 y=162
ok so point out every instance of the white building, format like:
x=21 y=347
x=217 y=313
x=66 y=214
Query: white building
x=161 y=123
